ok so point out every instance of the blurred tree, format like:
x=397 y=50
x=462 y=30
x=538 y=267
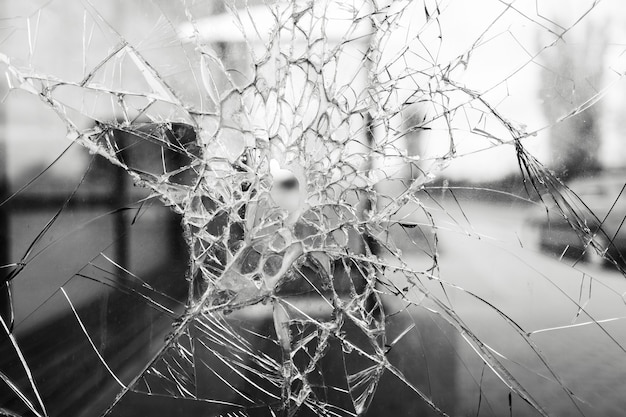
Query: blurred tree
x=574 y=73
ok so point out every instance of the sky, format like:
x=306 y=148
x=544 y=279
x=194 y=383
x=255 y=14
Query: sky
x=505 y=66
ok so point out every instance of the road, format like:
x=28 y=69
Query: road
x=492 y=268
x=501 y=289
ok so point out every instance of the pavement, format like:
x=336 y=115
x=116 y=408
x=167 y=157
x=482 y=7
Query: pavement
x=503 y=288
x=557 y=329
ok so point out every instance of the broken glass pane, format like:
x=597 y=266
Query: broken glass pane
x=288 y=207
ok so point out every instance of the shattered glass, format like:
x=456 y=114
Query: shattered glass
x=296 y=207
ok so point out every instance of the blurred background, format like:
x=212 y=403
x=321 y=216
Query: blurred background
x=524 y=247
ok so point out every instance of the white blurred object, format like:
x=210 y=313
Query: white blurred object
x=286 y=189
x=257 y=23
